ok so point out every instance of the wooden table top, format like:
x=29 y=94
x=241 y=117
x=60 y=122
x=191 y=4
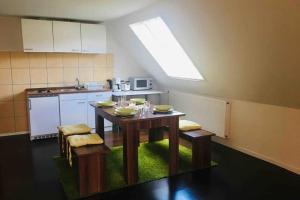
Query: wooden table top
x=108 y=113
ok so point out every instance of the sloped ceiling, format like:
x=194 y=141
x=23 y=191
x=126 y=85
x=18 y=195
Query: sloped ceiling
x=246 y=50
x=91 y=10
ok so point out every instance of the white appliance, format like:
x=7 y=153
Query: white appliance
x=140 y=83
x=117 y=84
x=43 y=116
x=125 y=85
x=95 y=97
x=73 y=108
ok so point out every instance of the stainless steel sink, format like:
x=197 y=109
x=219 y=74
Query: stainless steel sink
x=58 y=90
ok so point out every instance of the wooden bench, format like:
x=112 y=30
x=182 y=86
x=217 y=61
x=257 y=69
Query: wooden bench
x=201 y=147
x=62 y=140
x=91 y=168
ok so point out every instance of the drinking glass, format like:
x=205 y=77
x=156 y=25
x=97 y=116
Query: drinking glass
x=141 y=111
x=122 y=101
x=147 y=106
x=119 y=104
x=132 y=104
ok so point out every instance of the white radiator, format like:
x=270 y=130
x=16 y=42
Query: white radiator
x=212 y=113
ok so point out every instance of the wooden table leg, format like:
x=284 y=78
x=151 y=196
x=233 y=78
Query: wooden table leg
x=173 y=145
x=130 y=152
x=99 y=125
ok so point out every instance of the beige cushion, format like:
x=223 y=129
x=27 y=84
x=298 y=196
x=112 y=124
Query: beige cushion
x=82 y=140
x=186 y=125
x=75 y=129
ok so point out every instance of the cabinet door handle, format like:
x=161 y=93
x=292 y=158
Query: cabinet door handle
x=29 y=104
x=28 y=49
x=75 y=50
x=82 y=102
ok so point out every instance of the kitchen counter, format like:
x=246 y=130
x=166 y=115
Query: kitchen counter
x=53 y=91
x=138 y=92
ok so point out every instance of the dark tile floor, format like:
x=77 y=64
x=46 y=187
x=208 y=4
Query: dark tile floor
x=27 y=172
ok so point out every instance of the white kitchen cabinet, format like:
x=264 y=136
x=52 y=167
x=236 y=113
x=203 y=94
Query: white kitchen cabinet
x=95 y=97
x=73 y=108
x=93 y=38
x=43 y=116
x=67 y=36
x=37 y=35
x=76 y=108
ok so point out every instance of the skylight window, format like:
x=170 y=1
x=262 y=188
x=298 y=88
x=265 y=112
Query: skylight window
x=163 y=46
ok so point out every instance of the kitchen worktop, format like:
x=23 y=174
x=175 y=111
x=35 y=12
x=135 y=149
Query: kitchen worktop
x=53 y=91
x=138 y=92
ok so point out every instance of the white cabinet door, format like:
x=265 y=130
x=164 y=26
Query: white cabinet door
x=73 y=112
x=43 y=115
x=94 y=97
x=73 y=108
x=37 y=35
x=93 y=38
x=66 y=37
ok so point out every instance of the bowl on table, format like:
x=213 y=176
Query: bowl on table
x=106 y=103
x=138 y=101
x=163 y=108
x=124 y=112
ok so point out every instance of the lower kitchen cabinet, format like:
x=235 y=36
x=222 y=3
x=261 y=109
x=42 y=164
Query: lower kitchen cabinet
x=43 y=116
x=73 y=108
x=46 y=113
x=76 y=108
x=95 y=97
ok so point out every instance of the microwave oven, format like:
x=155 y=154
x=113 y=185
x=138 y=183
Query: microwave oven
x=140 y=83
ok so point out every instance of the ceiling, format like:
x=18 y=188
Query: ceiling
x=91 y=10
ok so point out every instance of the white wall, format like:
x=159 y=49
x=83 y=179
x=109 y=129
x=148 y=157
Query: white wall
x=124 y=65
x=246 y=49
x=268 y=132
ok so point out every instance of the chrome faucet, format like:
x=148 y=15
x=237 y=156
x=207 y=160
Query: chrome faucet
x=77 y=86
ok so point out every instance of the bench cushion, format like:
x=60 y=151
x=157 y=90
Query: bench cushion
x=187 y=125
x=74 y=129
x=81 y=140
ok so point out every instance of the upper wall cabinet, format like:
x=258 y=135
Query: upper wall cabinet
x=66 y=37
x=93 y=38
x=61 y=36
x=37 y=35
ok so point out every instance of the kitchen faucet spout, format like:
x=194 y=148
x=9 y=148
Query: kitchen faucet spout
x=77 y=86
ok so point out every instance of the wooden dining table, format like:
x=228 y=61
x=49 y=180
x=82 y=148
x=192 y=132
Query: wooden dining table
x=130 y=128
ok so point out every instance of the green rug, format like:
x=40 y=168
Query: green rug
x=153 y=164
